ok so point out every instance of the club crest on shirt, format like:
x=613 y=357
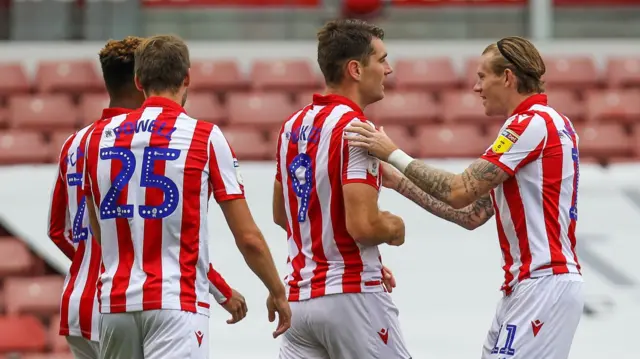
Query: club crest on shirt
x=236 y=166
x=505 y=141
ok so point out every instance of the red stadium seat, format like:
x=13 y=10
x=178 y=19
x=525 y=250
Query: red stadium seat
x=38 y=295
x=18 y=147
x=470 y=73
x=425 y=74
x=304 y=98
x=623 y=72
x=249 y=144
x=91 y=106
x=635 y=141
x=205 y=107
x=15 y=258
x=567 y=103
x=14 y=79
x=56 y=142
x=436 y=141
x=613 y=105
x=283 y=75
x=73 y=76
x=602 y=141
x=464 y=106
x=24 y=334
x=216 y=75
x=47 y=356
x=42 y=112
x=57 y=342
x=4 y=117
x=262 y=110
x=402 y=137
x=571 y=72
x=404 y=107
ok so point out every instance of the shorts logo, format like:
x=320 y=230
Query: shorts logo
x=199 y=336
x=536 y=325
x=384 y=335
x=505 y=141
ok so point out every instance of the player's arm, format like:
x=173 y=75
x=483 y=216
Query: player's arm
x=59 y=214
x=93 y=218
x=365 y=222
x=279 y=210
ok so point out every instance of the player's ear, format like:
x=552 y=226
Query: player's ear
x=354 y=69
x=136 y=79
x=187 y=79
x=509 y=77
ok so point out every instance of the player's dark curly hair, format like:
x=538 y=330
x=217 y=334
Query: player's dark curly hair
x=117 y=60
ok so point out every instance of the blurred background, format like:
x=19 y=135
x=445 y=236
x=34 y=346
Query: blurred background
x=253 y=64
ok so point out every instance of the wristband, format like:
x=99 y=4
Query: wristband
x=399 y=159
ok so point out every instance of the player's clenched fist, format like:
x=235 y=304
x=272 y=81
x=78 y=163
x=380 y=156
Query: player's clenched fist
x=398 y=237
x=279 y=304
x=236 y=306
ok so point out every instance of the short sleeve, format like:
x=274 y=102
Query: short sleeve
x=278 y=153
x=224 y=169
x=358 y=166
x=519 y=143
x=89 y=159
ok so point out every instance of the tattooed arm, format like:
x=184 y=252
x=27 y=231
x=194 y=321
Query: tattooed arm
x=457 y=190
x=469 y=217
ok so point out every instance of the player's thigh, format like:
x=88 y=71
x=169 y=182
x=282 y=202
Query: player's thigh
x=82 y=348
x=175 y=334
x=120 y=336
x=361 y=325
x=300 y=340
x=541 y=320
x=492 y=336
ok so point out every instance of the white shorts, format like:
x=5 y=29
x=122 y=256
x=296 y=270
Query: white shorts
x=83 y=348
x=538 y=320
x=344 y=326
x=154 y=334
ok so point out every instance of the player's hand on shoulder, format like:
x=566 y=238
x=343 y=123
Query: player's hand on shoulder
x=236 y=306
x=279 y=304
x=398 y=225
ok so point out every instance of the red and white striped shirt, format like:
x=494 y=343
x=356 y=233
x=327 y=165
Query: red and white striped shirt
x=151 y=173
x=536 y=209
x=313 y=163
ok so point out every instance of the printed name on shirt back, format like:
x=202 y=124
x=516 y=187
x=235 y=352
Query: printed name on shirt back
x=304 y=133
x=505 y=141
x=153 y=126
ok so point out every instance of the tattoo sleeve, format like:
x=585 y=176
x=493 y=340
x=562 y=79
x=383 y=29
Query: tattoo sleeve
x=456 y=190
x=470 y=217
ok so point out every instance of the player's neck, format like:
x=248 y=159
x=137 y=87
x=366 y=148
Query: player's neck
x=350 y=93
x=124 y=103
x=515 y=101
x=175 y=97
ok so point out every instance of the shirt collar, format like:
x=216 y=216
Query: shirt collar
x=537 y=99
x=157 y=101
x=113 y=112
x=333 y=99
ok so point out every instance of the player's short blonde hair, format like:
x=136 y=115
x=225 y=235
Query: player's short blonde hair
x=523 y=59
x=162 y=63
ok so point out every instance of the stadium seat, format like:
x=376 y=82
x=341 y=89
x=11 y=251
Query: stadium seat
x=73 y=76
x=57 y=140
x=635 y=141
x=404 y=107
x=25 y=334
x=44 y=112
x=289 y=75
x=57 y=343
x=261 y=110
x=601 y=141
x=47 y=356
x=613 y=105
x=36 y=295
x=204 y=106
x=248 y=144
x=470 y=73
x=15 y=258
x=216 y=76
x=622 y=72
x=428 y=74
x=463 y=106
x=14 y=79
x=304 y=98
x=403 y=138
x=450 y=141
x=4 y=117
x=19 y=147
x=567 y=103
x=571 y=72
x=91 y=106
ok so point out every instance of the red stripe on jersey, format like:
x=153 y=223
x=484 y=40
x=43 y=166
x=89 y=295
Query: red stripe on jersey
x=190 y=228
x=123 y=230
x=278 y=174
x=314 y=216
x=66 y=295
x=505 y=247
x=152 y=240
x=353 y=266
x=576 y=174
x=298 y=262
x=552 y=155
